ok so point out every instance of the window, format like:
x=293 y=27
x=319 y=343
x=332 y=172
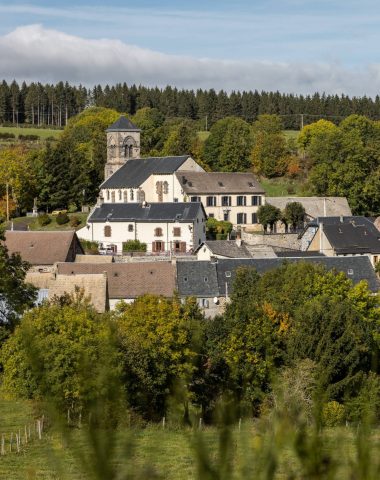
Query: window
x=211 y=215
x=108 y=194
x=241 y=201
x=140 y=196
x=254 y=218
x=158 y=246
x=113 y=197
x=205 y=279
x=130 y=227
x=241 y=218
x=226 y=216
x=107 y=231
x=211 y=201
x=165 y=187
x=120 y=196
x=205 y=303
x=132 y=195
x=256 y=200
x=195 y=199
x=158 y=232
x=176 y=232
x=226 y=201
x=125 y=196
x=176 y=200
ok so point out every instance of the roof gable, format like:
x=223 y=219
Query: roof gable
x=123 y=124
x=135 y=171
x=42 y=248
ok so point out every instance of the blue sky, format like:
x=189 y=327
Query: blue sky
x=294 y=45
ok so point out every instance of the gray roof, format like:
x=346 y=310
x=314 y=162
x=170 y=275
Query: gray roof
x=361 y=268
x=135 y=171
x=123 y=124
x=219 y=182
x=352 y=235
x=197 y=278
x=297 y=254
x=153 y=212
x=315 y=206
x=226 y=248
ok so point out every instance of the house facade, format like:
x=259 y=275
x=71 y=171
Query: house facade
x=176 y=228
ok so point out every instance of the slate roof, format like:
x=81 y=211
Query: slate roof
x=197 y=278
x=219 y=182
x=226 y=248
x=135 y=171
x=42 y=248
x=315 y=206
x=122 y=124
x=154 y=212
x=351 y=234
x=128 y=280
x=298 y=254
x=360 y=267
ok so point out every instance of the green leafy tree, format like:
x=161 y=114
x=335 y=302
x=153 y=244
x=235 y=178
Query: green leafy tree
x=15 y=295
x=180 y=140
x=159 y=344
x=57 y=352
x=268 y=124
x=294 y=214
x=268 y=215
x=148 y=120
x=316 y=129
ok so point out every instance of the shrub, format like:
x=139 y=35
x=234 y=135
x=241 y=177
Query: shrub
x=134 y=246
x=89 y=247
x=7 y=136
x=30 y=138
x=333 y=414
x=62 y=218
x=72 y=208
x=75 y=221
x=221 y=236
x=43 y=219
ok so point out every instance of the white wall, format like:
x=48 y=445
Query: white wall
x=192 y=234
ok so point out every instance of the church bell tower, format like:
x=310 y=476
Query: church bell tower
x=123 y=143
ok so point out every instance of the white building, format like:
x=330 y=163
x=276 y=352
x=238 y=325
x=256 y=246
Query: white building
x=164 y=227
x=234 y=197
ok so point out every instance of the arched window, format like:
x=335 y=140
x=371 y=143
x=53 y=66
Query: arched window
x=107 y=231
x=108 y=194
x=140 y=196
x=158 y=232
x=113 y=196
x=128 y=145
x=125 y=195
x=132 y=195
x=165 y=187
x=119 y=195
x=159 y=191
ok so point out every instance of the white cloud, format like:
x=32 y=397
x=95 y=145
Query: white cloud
x=36 y=53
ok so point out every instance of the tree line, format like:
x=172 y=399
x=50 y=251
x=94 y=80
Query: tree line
x=49 y=104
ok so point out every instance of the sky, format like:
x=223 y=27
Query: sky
x=294 y=46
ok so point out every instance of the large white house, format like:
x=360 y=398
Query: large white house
x=234 y=197
x=164 y=227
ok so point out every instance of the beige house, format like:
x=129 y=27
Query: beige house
x=343 y=236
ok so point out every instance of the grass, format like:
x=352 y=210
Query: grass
x=283 y=187
x=156 y=453
x=203 y=135
x=42 y=133
x=291 y=134
x=32 y=223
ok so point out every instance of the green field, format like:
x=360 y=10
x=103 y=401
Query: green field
x=32 y=224
x=291 y=134
x=283 y=187
x=43 y=133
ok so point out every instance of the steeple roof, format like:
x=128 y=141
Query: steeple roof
x=123 y=124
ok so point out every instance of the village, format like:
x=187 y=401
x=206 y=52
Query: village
x=160 y=206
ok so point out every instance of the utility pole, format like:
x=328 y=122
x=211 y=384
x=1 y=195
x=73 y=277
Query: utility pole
x=301 y=120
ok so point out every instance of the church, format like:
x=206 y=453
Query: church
x=163 y=191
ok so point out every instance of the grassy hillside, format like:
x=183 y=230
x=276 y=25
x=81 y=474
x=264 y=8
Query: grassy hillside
x=31 y=223
x=42 y=133
x=172 y=453
x=283 y=187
